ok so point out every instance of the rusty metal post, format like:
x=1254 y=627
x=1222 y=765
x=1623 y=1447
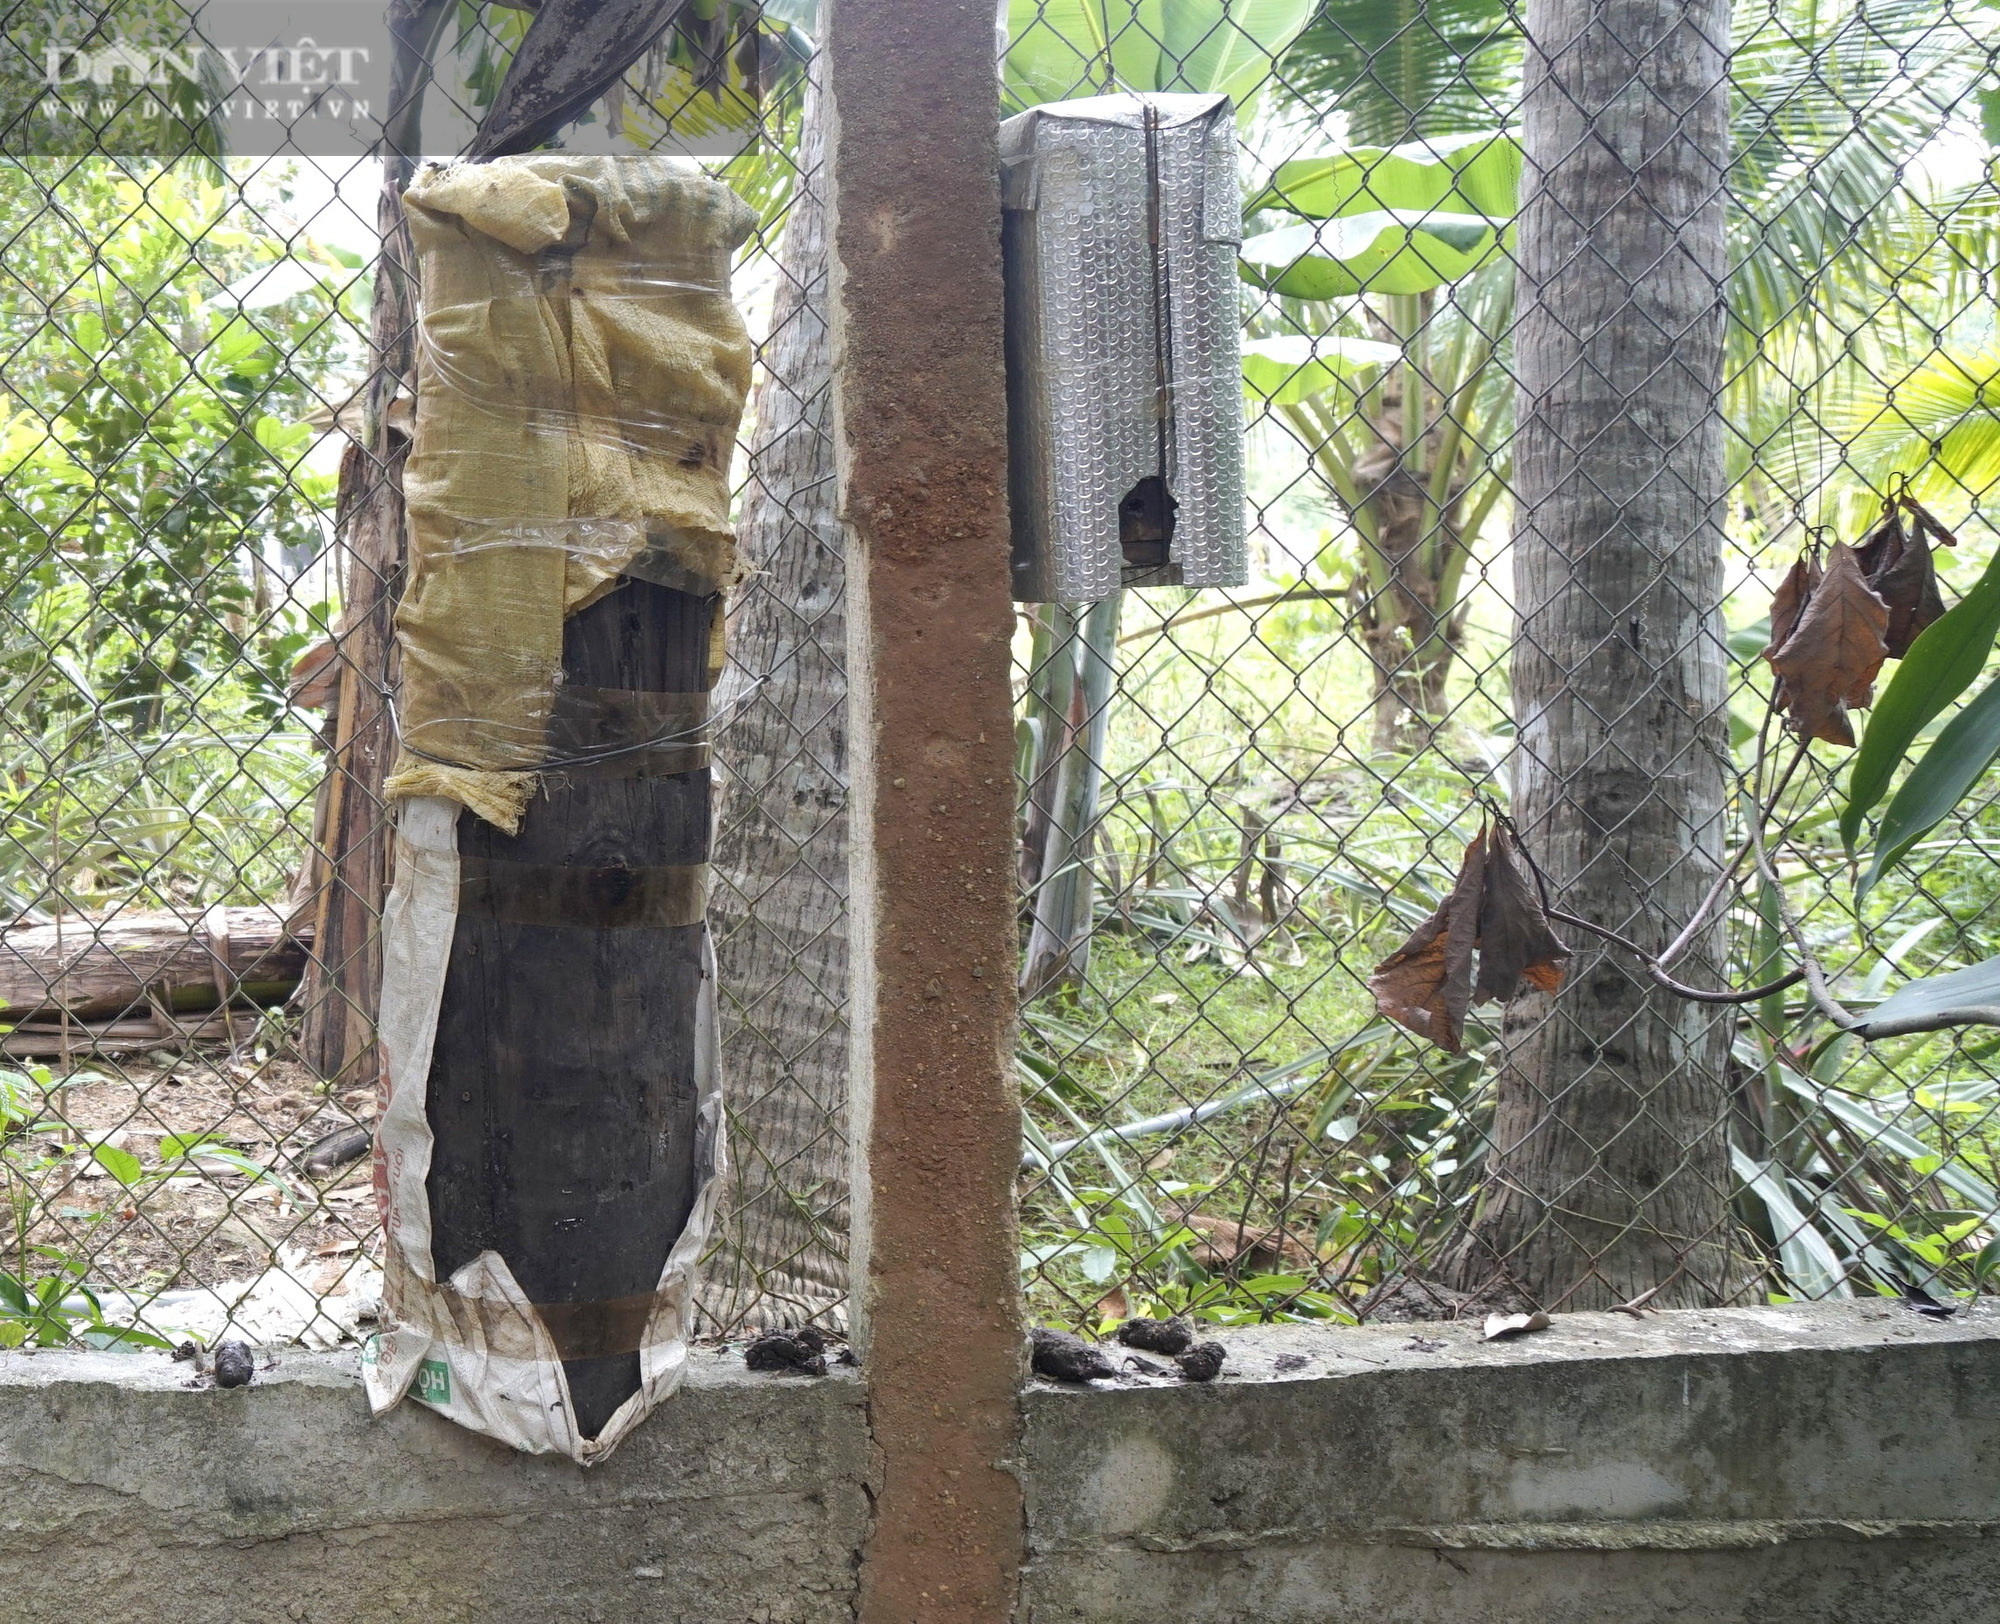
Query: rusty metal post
x=920 y=407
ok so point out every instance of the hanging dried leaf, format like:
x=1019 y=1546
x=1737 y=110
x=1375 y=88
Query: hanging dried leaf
x=1426 y=984
x=1926 y=522
x=1907 y=583
x=1786 y=607
x=1830 y=659
x=1885 y=544
x=1514 y=936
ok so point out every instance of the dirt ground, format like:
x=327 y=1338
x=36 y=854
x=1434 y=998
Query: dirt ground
x=236 y=1207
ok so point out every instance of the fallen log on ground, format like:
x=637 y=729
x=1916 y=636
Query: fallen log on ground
x=54 y=1039
x=147 y=965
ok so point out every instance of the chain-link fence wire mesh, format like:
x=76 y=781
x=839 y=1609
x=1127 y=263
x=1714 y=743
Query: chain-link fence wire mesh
x=1235 y=805
x=1283 y=778
x=207 y=379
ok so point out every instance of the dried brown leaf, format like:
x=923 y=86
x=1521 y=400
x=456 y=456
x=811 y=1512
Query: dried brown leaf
x=1426 y=984
x=1515 y=941
x=1924 y=521
x=1787 y=604
x=1830 y=659
x=1228 y=1243
x=1884 y=546
x=1499 y=1326
x=315 y=680
x=1113 y=1305
x=1907 y=583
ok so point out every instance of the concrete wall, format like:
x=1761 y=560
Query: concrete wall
x=1832 y=1464
x=1825 y=1464
x=126 y=1496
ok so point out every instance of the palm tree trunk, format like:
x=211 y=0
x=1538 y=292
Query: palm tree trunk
x=1608 y=1174
x=779 y=908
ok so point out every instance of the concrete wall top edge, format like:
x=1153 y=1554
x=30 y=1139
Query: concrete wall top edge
x=1273 y=1353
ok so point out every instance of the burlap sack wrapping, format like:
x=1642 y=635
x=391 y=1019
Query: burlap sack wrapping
x=581 y=372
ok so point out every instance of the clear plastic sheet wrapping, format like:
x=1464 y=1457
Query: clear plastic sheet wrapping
x=1095 y=316
x=581 y=371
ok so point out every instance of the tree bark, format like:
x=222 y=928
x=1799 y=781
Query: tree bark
x=779 y=906
x=98 y=970
x=350 y=859
x=1608 y=1174
x=347 y=866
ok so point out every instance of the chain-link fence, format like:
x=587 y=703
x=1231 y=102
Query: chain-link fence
x=1235 y=805
x=208 y=379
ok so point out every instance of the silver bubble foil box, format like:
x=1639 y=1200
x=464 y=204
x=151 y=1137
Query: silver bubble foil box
x=1124 y=370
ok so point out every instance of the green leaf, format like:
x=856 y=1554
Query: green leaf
x=1231 y=46
x=1934 y=422
x=120 y=1164
x=1942 y=663
x=1968 y=997
x=20 y=1098
x=1881 y=1135
x=1465 y=174
x=1956 y=760
x=174 y=1146
x=1060 y=49
x=1300 y=365
x=256 y=1172
x=1382 y=251
x=1809 y=1262
x=123 y=1337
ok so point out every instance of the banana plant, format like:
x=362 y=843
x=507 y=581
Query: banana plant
x=1058 y=49
x=1391 y=293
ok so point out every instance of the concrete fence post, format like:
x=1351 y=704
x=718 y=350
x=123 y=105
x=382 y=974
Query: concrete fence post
x=920 y=412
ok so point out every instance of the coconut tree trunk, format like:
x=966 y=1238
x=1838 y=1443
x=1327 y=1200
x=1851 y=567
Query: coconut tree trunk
x=1608 y=1173
x=779 y=906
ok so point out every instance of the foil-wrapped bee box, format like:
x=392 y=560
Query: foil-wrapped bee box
x=1124 y=367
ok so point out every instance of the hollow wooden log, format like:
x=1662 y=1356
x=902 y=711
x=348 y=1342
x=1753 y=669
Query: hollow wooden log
x=563 y=1092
